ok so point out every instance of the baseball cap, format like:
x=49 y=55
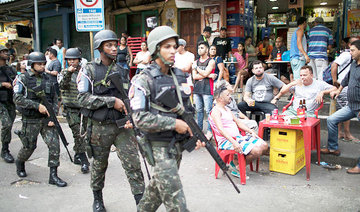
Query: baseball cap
x=223 y=28
x=182 y=42
x=207 y=29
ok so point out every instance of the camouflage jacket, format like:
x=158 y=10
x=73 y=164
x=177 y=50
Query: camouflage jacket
x=68 y=88
x=87 y=99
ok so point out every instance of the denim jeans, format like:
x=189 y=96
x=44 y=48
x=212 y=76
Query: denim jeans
x=201 y=102
x=123 y=65
x=341 y=115
x=296 y=65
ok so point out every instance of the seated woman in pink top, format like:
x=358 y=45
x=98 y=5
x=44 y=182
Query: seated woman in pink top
x=242 y=66
x=226 y=129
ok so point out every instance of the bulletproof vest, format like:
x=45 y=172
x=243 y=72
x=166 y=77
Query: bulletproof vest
x=202 y=86
x=105 y=113
x=158 y=83
x=31 y=82
x=6 y=75
x=69 y=95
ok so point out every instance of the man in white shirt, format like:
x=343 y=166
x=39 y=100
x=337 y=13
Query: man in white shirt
x=339 y=69
x=183 y=59
x=309 y=89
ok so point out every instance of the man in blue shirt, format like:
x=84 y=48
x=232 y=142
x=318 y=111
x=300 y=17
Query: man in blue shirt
x=320 y=38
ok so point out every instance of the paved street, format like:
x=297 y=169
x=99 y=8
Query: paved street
x=264 y=191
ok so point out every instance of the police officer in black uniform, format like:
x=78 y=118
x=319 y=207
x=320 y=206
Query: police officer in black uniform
x=28 y=92
x=7 y=107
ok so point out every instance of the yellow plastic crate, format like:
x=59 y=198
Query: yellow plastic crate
x=286 y=139
x=286 y=162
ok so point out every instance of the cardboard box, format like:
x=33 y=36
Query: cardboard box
x=235 y=31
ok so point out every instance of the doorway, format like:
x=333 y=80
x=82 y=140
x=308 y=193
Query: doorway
x=190 y=28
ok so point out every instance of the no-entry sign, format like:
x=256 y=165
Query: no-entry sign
x=89 y=15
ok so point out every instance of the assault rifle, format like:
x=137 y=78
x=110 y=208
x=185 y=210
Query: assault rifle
x=115 y=78
x=167 y=98
x=39 y=91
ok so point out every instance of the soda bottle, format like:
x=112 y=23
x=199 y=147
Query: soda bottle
x=278 y=55
x=304 y=105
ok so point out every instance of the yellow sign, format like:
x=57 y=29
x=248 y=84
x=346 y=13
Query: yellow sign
x=353 y=23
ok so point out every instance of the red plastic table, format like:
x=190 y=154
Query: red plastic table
x=311 y=133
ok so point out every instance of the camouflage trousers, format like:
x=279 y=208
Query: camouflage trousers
x=29 y=133
x=7 y=116
x=165 y=185
x=103 y=136
x=74 y=120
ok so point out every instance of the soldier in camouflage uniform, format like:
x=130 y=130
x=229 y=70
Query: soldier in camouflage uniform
x=99 y=102
x=161 y=127
x=35 y=117
x=7 y=107
x=69 y=94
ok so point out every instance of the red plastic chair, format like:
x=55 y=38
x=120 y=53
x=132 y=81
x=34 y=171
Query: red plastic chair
x=228 y=155
x=316 y=112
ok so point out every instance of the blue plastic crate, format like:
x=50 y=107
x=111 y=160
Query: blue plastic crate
x=234 y=42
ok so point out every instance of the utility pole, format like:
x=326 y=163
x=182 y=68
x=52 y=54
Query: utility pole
x=37 y=32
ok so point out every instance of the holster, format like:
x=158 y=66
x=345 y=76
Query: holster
x=146 y=148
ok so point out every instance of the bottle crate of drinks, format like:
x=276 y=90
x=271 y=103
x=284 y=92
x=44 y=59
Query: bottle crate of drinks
x=286 y=162
x=286 y=139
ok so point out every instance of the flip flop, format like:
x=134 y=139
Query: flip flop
x=356 y=140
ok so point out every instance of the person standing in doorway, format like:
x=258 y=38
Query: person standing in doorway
x=223 y=44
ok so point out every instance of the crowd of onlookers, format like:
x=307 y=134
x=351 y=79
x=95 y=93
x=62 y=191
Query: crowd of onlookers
x=213 y=82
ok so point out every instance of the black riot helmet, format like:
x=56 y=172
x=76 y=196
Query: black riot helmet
x=73 y=53
x=36 y=57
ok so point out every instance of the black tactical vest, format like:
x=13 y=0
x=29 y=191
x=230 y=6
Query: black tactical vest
x=105 y=113
x=6 y=75
x=202 y=87
x=30 y=83
x=158 y=83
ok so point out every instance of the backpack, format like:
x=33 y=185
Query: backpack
x=327 y=73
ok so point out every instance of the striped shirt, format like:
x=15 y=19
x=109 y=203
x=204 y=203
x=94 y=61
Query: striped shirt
x=352 y=80
x=319 y=39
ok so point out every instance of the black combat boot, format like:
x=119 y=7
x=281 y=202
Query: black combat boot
x=98 y=205
x=84 y=163
x=137 y=198
x=5 y=153
x=20 y=168
x=77 y=159
x=54 y=179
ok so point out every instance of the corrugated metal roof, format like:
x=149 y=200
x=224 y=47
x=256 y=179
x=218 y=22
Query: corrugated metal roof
x=6 y=1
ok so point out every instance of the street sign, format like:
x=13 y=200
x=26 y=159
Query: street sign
x=89 y=15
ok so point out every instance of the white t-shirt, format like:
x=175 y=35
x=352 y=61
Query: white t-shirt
x=141 y=56
x=343 y=60
x=183 y=60
x=309 y=93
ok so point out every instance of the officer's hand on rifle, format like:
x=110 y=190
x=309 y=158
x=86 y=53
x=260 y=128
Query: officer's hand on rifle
x=119 y=105
x=51 y=124
x=6 y=85
x=182 y=127
x=199 y=144
x=128 y=125
x=43 y=110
